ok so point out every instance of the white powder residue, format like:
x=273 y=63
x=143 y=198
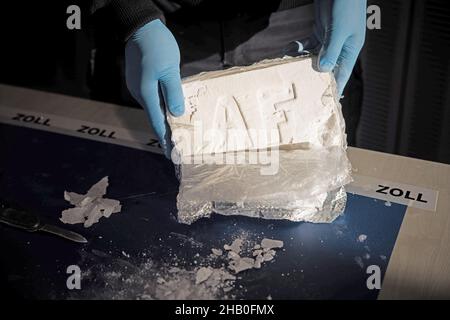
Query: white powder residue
x=211 y=277
x=269 y=243
x=362 y=238
x=216 y=252
x=260 y=253
x=359 y=262
x=203 y=274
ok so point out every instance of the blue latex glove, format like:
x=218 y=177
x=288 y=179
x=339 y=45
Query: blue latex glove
x=152 y=60
x=340 y=30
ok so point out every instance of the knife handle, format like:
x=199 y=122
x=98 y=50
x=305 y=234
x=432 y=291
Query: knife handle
x=20 y=219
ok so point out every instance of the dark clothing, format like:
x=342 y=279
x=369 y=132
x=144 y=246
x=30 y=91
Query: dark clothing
x=121 y=18
x=238 y=41
x=207 y=45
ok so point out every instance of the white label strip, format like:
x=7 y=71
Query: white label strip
x=408 y=195
x=405 y=194
x=80 y=128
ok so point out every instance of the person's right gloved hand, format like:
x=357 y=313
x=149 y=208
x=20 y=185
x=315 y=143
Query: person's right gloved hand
x=339 y=33
x=341 y=29
x=152 y=61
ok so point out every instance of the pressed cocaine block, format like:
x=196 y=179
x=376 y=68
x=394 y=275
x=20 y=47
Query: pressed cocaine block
x=271 y=103
x=281 y=103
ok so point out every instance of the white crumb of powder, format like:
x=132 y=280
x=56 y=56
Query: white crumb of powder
x=235 y=246
x=359 y=262
x=203 y=274
x=270 y=243
x=362 y=238
x=216 y=252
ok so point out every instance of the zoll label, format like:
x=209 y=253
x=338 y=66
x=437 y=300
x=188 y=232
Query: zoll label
x=412 y=196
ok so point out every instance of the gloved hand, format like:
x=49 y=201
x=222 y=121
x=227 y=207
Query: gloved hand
x=340 y=29
x=152 y=60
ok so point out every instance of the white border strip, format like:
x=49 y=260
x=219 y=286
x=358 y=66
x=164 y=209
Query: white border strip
x=80 y=128
x=388 y=191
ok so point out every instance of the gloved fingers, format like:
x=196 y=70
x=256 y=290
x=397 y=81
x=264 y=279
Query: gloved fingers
x=173 y=92
x=346 y=62
x=149 y=99
x=330 y=51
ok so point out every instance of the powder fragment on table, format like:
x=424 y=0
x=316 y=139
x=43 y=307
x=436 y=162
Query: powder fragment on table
x=362 y=238
x=267 y=257
x=257 y=252
x=233 y=255
x=261 y=252
x=241 y=264
x=216 y=252
x=235 y=246
x=203 y=274
x=270 y=243
x=90 y=207
x=258 y=260
x=160 y=280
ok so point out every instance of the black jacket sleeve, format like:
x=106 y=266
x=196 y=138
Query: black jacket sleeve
x=121 y=18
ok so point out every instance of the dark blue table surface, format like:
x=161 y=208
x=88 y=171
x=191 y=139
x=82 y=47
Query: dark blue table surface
x=319 y=261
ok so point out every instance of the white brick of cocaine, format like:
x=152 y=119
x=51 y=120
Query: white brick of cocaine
x=271 y=103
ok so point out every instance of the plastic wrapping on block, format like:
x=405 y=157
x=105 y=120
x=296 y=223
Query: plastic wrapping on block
x=296 y=174
x=307 y=187
x=330 y=206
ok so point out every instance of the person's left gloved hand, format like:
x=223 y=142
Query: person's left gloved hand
x=340 y=29
x=152 y=62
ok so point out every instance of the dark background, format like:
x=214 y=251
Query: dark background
x=404 y=70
